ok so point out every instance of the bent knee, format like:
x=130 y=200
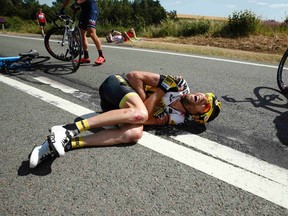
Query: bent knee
x=133 y=135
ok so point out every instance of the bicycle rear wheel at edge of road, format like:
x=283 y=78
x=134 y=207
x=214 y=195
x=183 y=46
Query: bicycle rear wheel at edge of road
x=282 y=74
x=76 y=48
x=61 y=48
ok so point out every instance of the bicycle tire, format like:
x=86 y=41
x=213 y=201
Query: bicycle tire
x=282 y=74
x=54 y=46
x=39 y=59
x=76 y=48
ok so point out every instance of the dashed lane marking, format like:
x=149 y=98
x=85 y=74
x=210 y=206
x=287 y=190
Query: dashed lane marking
x=56 y=85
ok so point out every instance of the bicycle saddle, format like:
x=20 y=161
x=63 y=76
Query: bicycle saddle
x=31 y=53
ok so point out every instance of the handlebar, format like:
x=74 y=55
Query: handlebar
x=66 y=18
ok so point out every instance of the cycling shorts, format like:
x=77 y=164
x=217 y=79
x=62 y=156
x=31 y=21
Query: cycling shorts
x=42 y=24
x=89 y=14
x=114 y=92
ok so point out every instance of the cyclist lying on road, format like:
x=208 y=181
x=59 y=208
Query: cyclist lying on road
x=118 y=37
x=132 y=101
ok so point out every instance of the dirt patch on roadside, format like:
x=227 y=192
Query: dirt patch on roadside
x=262 y=44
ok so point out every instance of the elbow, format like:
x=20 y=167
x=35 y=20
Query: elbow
x=131 y=75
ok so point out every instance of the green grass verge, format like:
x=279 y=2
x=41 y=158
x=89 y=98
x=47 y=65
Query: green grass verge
x=207 y=51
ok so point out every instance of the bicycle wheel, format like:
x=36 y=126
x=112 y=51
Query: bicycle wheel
x=282 y=74
x=54 y=44
x=76 y=48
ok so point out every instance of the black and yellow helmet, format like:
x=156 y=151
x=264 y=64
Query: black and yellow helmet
x=214 y=107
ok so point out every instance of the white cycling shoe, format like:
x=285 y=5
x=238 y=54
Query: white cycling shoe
x=39 y=153
x=59 y=138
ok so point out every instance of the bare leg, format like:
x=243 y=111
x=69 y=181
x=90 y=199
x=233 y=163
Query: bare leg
x=84 y=40
x=42 y=31
x=130 y=120
x=124 y=134
x=134 y=33
x=133 y=112
x=94 y=37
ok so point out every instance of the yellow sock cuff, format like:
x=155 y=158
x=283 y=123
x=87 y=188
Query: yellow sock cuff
x=83 y=125
x=77 y=142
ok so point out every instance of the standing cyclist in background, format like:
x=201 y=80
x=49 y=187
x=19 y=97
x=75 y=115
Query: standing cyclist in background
x=131 y=101
x=87 y=24
x=41 y=20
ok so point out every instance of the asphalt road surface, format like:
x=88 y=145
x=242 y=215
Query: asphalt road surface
x=236 y=165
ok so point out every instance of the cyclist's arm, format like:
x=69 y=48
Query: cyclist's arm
x=116 y=32
x=152 y=101
x=161 y=117
x=134 y=33
x=138 y=80
x=157 y=121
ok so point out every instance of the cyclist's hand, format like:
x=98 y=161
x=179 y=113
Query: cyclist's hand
x=75 y=6
x=177 y=79
x=168 y=84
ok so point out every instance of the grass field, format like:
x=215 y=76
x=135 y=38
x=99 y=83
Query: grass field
x=187 y=16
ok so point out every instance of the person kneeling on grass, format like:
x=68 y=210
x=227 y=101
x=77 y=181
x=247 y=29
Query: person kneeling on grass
x=131 y=101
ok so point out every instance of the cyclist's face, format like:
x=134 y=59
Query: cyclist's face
x=195 y=103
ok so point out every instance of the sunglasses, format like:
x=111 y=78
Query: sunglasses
x=209 y=100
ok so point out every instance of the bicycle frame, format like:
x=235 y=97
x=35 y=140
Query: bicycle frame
x=68 y=44
x=23 y=61
x=9 y=63
x=68 y=30
x=8 y=60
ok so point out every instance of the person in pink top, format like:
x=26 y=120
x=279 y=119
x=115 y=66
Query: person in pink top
x=41 y=20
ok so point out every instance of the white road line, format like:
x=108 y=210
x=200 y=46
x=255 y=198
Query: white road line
x=234 y=157
x=254 y=181
x=56 y=85
x=47 y=97
x=64 y=88
x=166 y=53
x=251 y=182
x=193 y=56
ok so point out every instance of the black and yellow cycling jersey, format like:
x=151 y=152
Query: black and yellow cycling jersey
x=115 y=90
x=164 y=108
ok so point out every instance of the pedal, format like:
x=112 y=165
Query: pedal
x=50 y=139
